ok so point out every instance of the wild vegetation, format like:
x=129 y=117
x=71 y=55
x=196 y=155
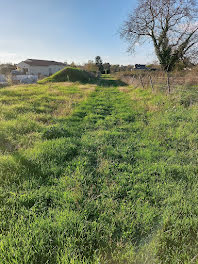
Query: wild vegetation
x=98 y=174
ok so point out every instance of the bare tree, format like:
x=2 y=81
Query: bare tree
x=91 y=66
x=171 y=25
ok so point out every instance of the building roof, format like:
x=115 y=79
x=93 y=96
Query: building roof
x=33 y=62
x=140 y=66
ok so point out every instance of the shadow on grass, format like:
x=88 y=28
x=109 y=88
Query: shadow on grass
x=111 y=82
x=103 y=81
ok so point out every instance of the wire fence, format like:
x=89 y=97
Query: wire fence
x=166 y=83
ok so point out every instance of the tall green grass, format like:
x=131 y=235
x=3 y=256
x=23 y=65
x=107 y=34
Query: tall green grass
x=114 y=182
x=27 y=111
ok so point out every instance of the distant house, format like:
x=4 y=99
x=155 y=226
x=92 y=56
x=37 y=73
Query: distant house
x=39 y=67
x=140 y=67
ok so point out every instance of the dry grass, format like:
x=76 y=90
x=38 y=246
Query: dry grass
x=124 y=89
x=159 y=79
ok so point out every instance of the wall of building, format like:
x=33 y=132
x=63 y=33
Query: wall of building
x=25 y=78
x=39 y=70
x=23 y=67
x=55 y=68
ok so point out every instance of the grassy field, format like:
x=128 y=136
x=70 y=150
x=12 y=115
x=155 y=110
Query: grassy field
x=98 y=175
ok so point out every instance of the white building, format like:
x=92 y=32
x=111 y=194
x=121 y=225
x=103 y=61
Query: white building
x=3 y=79
x=40 y=67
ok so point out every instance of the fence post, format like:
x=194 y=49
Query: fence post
x=151 y=83
x=141 y=81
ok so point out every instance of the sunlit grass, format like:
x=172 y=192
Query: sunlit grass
x=98 y=176
x=26 y=111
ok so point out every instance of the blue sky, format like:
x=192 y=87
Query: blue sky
x=67 y=30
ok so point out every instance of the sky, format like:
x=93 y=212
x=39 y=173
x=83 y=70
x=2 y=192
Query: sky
x=67 y=30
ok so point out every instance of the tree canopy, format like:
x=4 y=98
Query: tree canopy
x=99 y=64
x=107 y=67
x=171 y=25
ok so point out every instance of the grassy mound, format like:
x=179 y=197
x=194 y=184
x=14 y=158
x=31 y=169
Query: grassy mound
x=72 y=75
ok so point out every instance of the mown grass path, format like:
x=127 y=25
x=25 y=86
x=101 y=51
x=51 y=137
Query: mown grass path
x=97 y=189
